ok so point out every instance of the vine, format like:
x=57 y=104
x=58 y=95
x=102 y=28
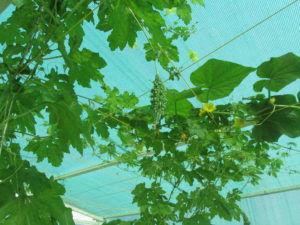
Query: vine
x=204 y=148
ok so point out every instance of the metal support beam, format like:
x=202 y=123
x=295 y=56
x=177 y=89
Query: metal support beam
x=87 y=170
x=100 y=166
x=95 y=167
x=84 y=222
x=133 y=213
x=83 y=212
x=272 y=191
x=4 y=4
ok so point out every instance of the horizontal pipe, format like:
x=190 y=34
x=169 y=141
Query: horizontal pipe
x=87 y=170
x=271 y=191
x=117 y=215
x=85 y=222
x=83 y=212
x=95 y=167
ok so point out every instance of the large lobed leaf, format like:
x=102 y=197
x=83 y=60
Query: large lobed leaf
x=283 y=121
x=218 y=78
x=176 y=105
x=85 y=66
x=278 y=72
x=36 y=201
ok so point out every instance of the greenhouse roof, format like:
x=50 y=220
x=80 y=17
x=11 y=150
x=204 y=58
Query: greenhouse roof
x=246 y=32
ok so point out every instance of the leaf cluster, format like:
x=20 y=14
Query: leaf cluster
x=203 y=150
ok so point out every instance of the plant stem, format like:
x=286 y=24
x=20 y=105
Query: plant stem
x=6 y=125
x=54 y=57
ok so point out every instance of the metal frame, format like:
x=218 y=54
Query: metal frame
x=87 y=222
x=86 y=170
x=99 y=219
x=271 y=191
x=101 y=166
x=93 y=168
x=122 y=214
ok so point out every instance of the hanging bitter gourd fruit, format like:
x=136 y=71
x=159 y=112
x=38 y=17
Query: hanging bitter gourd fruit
x=158 y=99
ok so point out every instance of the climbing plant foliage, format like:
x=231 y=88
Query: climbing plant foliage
x=204 y=146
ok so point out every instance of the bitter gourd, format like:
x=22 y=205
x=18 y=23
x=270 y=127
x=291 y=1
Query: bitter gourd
x=158 y=99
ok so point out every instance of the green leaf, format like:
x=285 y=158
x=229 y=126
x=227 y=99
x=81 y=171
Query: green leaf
x=126 y=137
x=151 y=18
x=124 y=100
x=34 y=211
x=125 y=18
x=43 y=206
x=177 y=106
x=165 y=55
x=218 y=78
x=161 y=209
x=102 y=130
x=223 y=210
x=196 y=129
x=118 y=222
x=266 y=132
x=48 y=148
x=109 y=149
x=76 y=33
x=279 y=72
x=184 y=12
x=85 y=66
x=200 y=2
x=190 y=93
x=196 y=219
x=65 y=123
x=19 y=3
x=122 y=21
x=274 y=124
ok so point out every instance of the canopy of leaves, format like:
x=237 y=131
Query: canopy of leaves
x=40 y=105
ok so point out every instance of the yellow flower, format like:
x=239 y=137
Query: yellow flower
x=272 y=100
x=193 y=56
x=239 y=122
x=183 y=136
x=209 y=107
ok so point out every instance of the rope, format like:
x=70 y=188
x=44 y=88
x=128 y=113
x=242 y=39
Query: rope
x=241 y=34
x=231 y=40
